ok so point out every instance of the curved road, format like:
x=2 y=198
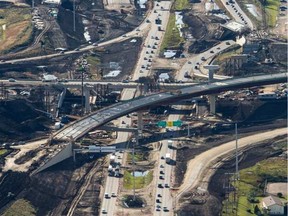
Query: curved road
x=198 y=165
x=98 y=118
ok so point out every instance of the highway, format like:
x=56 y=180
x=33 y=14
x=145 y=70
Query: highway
x=237 y=13
x=80 y=127
x=77 y=83
x=112 y=183
x=153 y=39
x=137 y=32
x=165 y=198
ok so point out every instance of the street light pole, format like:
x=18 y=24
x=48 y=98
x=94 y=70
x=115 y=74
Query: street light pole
x=74 y=16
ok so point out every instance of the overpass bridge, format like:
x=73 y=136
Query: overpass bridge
x=96 y=119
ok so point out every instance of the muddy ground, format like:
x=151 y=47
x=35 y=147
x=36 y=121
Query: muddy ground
x=53 y=190
x=213 y=206
x=254 y=116
x=20 y=121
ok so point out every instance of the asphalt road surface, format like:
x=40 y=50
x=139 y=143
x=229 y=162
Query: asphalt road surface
x=98 y=118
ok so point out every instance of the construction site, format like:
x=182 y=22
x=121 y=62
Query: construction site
x=88 y=63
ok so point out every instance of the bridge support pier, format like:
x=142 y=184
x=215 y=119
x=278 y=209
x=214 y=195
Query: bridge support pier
x=87 y=99
x=212 y=101
x=212 y=98
x=140 y=123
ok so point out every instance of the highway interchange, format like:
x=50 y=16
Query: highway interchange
x=153 y=37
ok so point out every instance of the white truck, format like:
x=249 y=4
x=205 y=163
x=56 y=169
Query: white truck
x=112 y=159
x=168 y=158
x=170 y=144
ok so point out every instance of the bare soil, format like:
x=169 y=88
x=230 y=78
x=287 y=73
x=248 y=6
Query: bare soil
x=53 y=190
x=19 y=121
x=212 y=205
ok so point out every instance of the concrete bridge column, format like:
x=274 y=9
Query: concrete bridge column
x=212 y=98
x=87 y=99
x=140 y=123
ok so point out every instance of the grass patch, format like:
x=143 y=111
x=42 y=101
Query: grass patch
x=140 y=182
x=3 y=151
x=94 y=61
x=251 y=184
x=19 y=27
x=233 y=50
x=20 y=207
x=172 y=36
x=181 y=5
x=138 y=156
x=272 y=10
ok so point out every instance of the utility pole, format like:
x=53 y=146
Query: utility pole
x=236 y=151
x=82 y=92
x=133 y=165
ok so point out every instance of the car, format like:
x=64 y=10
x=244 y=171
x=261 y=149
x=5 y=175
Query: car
x=166 y=185
x=155 y=43
x=160 y=186
x=227 y=3
x=152 y=52
x=159 y=195
x=152 y=37
x=203 y=58
x=157 y=4
x=125 y=81
x=96 y=44
x=104 y=211
x=162 y=172
x=141 y=71
x=147 y=21
x=153 y=47
x=155 y=11
x=158 y=206
x=106 y=195
x=147 y=52
x=161 y=177
x=197 y=63
x=161 y=166
x=156 y=38
x=189 y=62
x=196 y=67
x=2 y=60
x=143 y=66
x=218 y=48
x=227 y=43
x=211 y=51
x=158 y=201
x=145 y=58
x=149 y=46
x=11 y=80
x=124 y=35
x=113 y=194
x=137 y=29
x=158 y=209
x=165 y=209
x=123 y=122
x=162 y=157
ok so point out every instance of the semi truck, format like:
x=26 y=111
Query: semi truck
x=168 y=158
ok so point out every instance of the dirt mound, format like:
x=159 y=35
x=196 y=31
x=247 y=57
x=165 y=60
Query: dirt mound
x=257 y=111
x=20 y=121
x=194 y=22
